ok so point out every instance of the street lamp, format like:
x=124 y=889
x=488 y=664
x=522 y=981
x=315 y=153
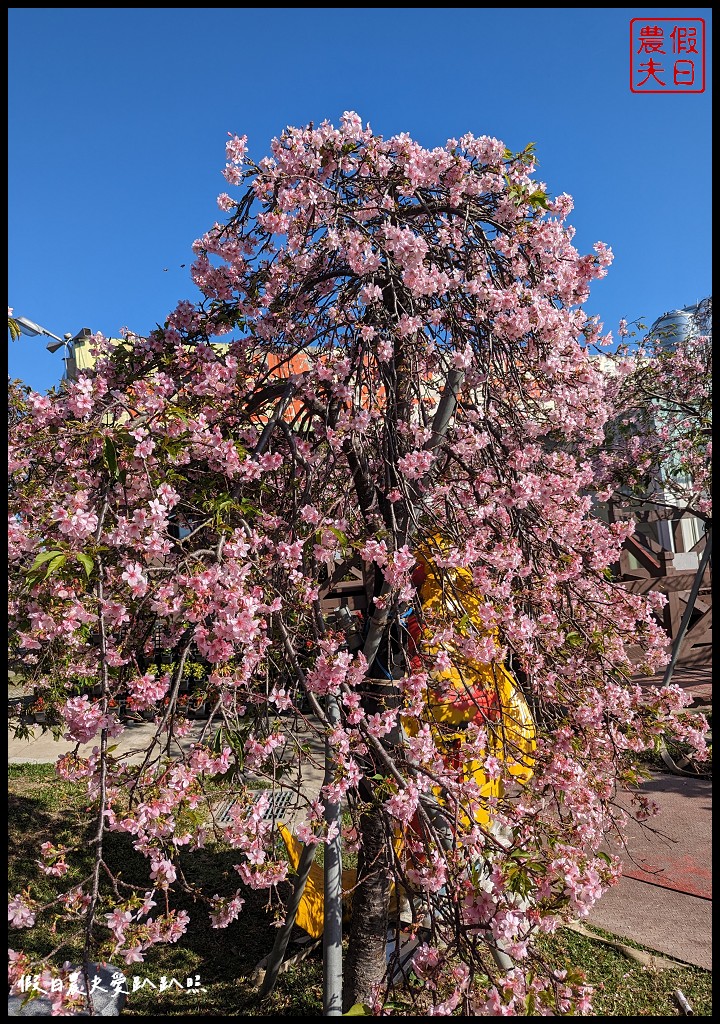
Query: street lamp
x=33 y=329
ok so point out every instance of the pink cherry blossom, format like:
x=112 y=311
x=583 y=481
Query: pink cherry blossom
x=386 y=389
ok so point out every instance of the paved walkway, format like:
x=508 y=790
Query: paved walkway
x=694 y=679
x=41 y=748
x=664 y=898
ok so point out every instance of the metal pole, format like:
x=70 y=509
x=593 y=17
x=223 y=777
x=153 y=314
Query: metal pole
x=332 y=925
x=275 y=959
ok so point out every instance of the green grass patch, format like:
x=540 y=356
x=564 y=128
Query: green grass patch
x=42 y=808
x=625 y=988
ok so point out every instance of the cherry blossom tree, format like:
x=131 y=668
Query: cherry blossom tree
x=657 y=455
x=389 y=368
x=659 y=445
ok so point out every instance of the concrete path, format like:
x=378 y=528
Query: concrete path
x=664 y=899
x=42 y=748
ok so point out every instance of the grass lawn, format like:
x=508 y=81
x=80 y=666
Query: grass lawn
x=42 y=808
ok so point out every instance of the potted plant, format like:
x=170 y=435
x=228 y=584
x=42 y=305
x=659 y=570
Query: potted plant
x=198 y=706
x=117 y=707
x=38 y=710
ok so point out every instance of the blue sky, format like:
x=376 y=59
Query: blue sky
x=118 y=119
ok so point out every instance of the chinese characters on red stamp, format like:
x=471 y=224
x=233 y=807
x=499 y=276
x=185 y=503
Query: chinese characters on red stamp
x=667 y=55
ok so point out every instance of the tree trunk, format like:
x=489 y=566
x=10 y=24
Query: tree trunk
x=365 y=963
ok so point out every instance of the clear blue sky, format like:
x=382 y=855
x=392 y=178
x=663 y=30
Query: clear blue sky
x=118 y=119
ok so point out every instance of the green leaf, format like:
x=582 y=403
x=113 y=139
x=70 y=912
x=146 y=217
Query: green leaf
x=538 y=198
x=44 y=556
x=359 y=1010
x=86 y=562
x=56 y=563
x=110 y=453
